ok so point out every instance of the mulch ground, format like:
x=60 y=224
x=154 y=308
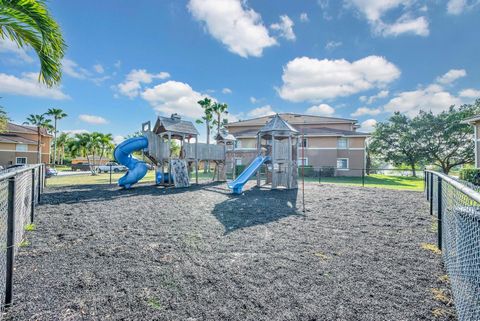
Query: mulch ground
x=201 y=253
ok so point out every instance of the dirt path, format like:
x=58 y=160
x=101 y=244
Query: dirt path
x=203 y=254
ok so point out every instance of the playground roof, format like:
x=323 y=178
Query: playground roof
x=322 y=131
x=174 y=125
x=224 y=135
x=278 y=124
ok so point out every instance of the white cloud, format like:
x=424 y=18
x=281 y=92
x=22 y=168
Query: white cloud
x=99 y=68
x=266 y=110
x=75 y=131
x=404 y=24
x=366 y=111
x=372 y=99
x=132 y=85
x=226 y=91
x=304 y=17
x=451 y=76
x=321 y=110
x=368 y=125
x=456 y=7
x=432 y=98
x=28 y=85
x=8 y=46
x=470 y=93
x=117 y=64
x=117 y=139
x=93 y=119
x=72 y=69
x=174 y=97
x=238 y=27
x=285 y=28
x=332 y=45
x=374 y=10
x=310 y=79
x=253 y=100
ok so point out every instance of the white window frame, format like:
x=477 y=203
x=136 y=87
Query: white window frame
x=17 y=158
x=300 y=161
x=238 y=161
x=24 y=148
x=306 y=142
x=342 y=139
x=348 y=164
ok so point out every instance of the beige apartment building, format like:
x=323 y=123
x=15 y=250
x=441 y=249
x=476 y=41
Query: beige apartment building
x=326 y=142
x=475 y=122
x=19 y=145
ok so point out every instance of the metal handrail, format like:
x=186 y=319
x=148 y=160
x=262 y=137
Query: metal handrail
x=461 y=187
x=20 y=170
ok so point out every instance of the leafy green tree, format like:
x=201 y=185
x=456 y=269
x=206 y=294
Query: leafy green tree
x=29 y=23
x=207 y=119
x=57 y=114
x=61 y=142
x=397 y=141
x=219 y=110
x=40 y=121
x=3 y=119
x=106 y=144
x=445 y=140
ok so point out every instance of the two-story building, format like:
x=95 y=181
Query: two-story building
x=326 y=142
x=22 y=144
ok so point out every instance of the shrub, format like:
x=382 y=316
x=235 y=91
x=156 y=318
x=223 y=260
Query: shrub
x=307 y=171
x=471 y=175
x=239 y=169
x=327 y=171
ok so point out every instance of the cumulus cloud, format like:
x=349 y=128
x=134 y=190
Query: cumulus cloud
x=235 y=25
x=8 y=46
x=72 y=69
x=372 y=99
x=321 y=110
x=226 y=91
x=284 y=27
x=132 y=85
x=304 y=17
x=451 y=76
x=310 y=79
x=368 y=125
x=117 y=139
x=470 y=93
x=362 y=111
x=456 y=7
x=174 y=97
x=75 y=131
x=266 y=110
x=28 y=85
x=93 y=119
x=375 y=10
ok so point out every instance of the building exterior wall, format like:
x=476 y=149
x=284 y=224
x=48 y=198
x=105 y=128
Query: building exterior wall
x=476 y=127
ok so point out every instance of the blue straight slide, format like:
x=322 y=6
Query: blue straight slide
x=123 y=155
x=237 y=185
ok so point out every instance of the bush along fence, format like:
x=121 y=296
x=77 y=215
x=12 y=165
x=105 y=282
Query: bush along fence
x=20 y=192
x=457 y=208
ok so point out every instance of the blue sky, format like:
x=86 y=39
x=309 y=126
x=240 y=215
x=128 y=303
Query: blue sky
x=129 y=61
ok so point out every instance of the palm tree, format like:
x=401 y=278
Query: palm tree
x=86 y=144
x=219 y=109
x=3 y=119
x=57 y=114
x=61 y=142
x=40 y=121
x=207 y=118
x=106 y=144
x=29 y=23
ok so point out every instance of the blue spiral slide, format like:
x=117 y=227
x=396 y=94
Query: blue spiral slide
x=123 y=155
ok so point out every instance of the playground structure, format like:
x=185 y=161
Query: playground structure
x=277 y=147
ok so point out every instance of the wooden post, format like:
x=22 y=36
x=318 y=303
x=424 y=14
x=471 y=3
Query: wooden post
x=169 y=158
x=274 y=175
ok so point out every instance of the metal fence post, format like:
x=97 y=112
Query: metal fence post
x=39 y=191
x=439 y=214
x=363 y=177
x=32 y=209
x=10 y=242
x=431 y=193
x=427 y=178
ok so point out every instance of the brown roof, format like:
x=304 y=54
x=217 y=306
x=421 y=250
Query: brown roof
x=293 y=119
x=15 y=139
x=27 y=129
x=323 y=131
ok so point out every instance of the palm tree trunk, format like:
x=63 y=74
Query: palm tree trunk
x=207 y=163
x=55 y=144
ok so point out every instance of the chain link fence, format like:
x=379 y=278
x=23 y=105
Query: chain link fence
x=457 y=207
x=20 y=191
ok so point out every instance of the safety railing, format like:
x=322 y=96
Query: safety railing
x=20 y=192
x=457 y=210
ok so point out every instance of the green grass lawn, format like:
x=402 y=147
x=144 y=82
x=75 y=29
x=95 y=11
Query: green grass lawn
x=376 y=180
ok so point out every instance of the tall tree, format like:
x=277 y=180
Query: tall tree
x=40 y=121
x=105 y=143
x=219 y=110
x=207 y=119
x=29 y=23
x=397 y=141
x=57 y=114
x=445 y=140
x=61 y=141
x=3 y=119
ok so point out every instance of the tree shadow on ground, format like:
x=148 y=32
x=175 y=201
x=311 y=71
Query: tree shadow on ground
x=256 y=207
x=105 y=192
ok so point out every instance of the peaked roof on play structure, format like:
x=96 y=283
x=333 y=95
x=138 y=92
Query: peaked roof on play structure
x=175 y=125
x=277 y=125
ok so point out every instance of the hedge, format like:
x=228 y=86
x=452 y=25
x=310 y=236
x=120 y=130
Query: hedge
x=471 y=175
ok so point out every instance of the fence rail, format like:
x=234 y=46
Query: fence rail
x=20 y=192
x=457 y=208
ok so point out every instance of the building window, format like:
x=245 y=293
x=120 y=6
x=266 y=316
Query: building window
x=342 y=143
x=342 y=163
x=302 y=161
x=21 y=160
x=304 y=143
x=21 y=147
